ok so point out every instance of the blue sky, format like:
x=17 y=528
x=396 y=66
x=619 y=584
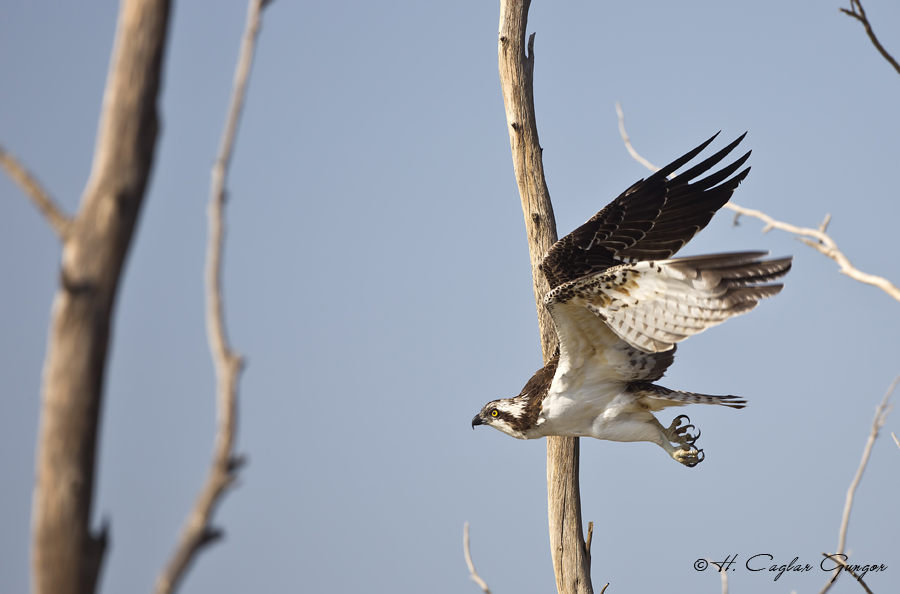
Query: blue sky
x=377 y=280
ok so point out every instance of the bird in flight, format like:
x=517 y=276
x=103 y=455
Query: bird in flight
x=621 y=303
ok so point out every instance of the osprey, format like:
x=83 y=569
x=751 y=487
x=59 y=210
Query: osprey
x=620 y=304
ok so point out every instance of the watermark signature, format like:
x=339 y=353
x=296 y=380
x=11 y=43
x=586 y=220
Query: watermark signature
x=766 y=562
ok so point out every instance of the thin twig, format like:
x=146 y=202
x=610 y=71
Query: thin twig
x=634 y=154
x=33 y=189
x=846 y=567
x=823 y=243
x=198 y=531
x=896 y=441
x=881 y=415
x=472 y=573
x=604 y=588
x=858 y=12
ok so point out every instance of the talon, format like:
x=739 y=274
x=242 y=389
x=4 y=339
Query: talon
x=680 y=434
x=683 y=430
x=700 y=457
x=688 y=438
x=690 y=457
x=696 y=437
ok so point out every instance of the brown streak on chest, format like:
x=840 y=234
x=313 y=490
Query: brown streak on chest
x=534 y=393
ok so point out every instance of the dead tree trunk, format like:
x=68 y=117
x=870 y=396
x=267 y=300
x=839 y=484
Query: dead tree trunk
x=66 y=556
x=571 y=559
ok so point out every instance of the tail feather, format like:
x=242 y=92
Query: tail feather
x=659 y=397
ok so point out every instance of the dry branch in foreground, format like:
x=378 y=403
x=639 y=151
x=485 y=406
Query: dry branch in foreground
x=817 y=239
x=881 y=415
x=66 y=555
x=472 y=573
x=198 y=530
x=571 y=562
x=859 y=13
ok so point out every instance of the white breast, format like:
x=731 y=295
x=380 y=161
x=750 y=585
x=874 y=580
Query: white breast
x=578 y=395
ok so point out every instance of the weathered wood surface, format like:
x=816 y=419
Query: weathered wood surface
x=571 y=560
x=67 y=556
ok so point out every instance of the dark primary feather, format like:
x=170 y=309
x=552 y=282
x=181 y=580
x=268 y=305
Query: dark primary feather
x=651 y=220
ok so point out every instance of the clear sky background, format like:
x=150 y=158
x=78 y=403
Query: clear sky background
x=377 y=279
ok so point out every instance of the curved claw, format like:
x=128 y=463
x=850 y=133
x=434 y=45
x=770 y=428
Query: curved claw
x=689 y=456
x=683 y=430
x=689 y=439
x=700 y=458
x=677 y=420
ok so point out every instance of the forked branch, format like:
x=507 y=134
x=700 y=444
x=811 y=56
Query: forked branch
x=67 y=554
x=859 y=13
x=198 y=530
x=817 y=239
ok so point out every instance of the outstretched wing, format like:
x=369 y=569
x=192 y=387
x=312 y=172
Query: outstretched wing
x=653 y=305
x=651 y=220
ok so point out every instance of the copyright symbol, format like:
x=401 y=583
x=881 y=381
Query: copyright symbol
x=701 y=564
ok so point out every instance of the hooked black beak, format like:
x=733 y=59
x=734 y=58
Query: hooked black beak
x=477 y=421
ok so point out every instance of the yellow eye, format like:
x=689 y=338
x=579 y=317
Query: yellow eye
x=494 y=413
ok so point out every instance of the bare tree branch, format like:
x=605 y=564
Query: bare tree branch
x=472 y=573
x=631 y=151
x=896 y=441
x=723 y=574
x=848 y=570
x=571 y=563
x=33 y=189
x=858 y=12
x=824 y=244
x=197 y=531
x=66 y=555
x=881 y=415
x=817 y=239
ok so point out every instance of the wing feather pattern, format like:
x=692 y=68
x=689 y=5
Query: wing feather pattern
x=653 y=305
x=597 y=355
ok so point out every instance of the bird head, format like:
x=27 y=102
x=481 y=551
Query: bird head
x=504 y=415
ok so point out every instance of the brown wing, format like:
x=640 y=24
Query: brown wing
x=651 y=220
